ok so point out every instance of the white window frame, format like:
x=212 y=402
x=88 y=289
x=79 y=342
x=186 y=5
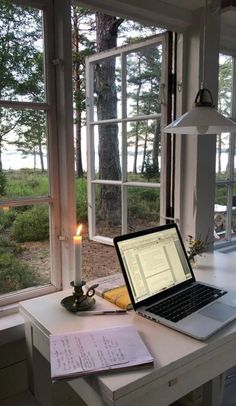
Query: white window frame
x=123 y=183
x=230 y=182
x=61 y=177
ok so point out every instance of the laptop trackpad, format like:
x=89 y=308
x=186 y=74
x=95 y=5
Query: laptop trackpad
x=218 y=311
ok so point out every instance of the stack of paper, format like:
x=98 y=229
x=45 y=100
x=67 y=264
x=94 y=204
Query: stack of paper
x=106 y=283
x=88 y=352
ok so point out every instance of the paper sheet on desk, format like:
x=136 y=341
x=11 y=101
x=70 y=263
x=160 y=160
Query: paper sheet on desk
x=88 y=352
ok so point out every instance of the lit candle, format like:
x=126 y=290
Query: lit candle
x=78 y=256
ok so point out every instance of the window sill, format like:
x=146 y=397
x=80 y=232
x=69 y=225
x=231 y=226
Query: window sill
x=11 y=321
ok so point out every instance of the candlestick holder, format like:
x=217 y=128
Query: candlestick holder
x=79 y=301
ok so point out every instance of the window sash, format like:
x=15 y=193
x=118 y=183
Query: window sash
x=53 y=167
x=123 y=120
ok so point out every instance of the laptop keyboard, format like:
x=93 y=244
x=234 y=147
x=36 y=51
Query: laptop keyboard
x=186 y=302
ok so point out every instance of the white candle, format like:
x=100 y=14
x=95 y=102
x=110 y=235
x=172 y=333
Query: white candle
x=78 y=256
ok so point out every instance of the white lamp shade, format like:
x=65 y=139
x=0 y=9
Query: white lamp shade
x=201 y=120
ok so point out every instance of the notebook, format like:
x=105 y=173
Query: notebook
x=162 y=285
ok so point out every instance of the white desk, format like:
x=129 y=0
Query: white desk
x=181 y=363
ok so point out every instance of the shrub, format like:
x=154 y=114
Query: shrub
x=9 y=246
x=81 y=200
x=6 y=218
x=143 y=203
x=3 y=183
x=15 y=275
x=31 y=225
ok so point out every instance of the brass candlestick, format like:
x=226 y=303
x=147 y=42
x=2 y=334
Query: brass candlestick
x=79 y=301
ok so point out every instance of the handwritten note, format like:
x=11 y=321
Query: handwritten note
x=81 y=353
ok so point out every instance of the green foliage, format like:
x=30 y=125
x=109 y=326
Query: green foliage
x=81 y=200
x=15 y=275
x=151 y=169
x=9 y=246
x=7 y=216
x=31 y=225
x=26 y=182
x=143 y=203
x=221 y=195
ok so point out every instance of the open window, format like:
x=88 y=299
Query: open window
x=29 y=197
x=127 y=105
x=225 y=196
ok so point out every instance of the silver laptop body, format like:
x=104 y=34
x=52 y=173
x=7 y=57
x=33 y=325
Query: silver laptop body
x=157 y=270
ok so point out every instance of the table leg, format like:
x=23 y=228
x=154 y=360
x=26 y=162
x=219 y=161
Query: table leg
x=213 y=391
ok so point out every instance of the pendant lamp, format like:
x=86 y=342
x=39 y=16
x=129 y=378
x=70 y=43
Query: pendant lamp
x=203 y=118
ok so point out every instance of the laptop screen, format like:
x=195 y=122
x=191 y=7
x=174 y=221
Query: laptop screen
x=153 y=261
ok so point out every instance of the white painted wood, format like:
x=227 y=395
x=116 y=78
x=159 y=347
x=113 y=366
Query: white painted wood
x=65 y=140
x=52 y=200
x=181 y=362
x=125 y=49
x=25 y=105
x=121 y=52
x=24 y=294
x=164 y=137
x=196 y=164
x=127 y=119
x=158 y=13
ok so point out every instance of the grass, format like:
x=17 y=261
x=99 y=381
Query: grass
x=25 y=183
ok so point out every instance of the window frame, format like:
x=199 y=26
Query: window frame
x=61 y=197
x=230 y=182
x=163 y=39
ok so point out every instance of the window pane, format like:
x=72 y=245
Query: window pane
x=108 y=210
x=143 y=81
x=143 y=208
x=107 y=89
x=21 y=50
x=23 y=153
x=24 y=247
x=222 y=156
x=107 y=139
x=144 y=150
x=220 y=214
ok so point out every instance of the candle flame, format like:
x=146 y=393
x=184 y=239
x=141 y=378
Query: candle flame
x=79 y=229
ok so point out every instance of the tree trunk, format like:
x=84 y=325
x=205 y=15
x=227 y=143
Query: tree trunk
x=145 y=149
x=34 y=155
x=109 y=162
x=137 y=123
x=146 y=130
x=41 y=156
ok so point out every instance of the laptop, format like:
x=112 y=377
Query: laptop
x=162 y=285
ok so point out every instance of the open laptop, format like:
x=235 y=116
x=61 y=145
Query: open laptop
x=163 y=288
